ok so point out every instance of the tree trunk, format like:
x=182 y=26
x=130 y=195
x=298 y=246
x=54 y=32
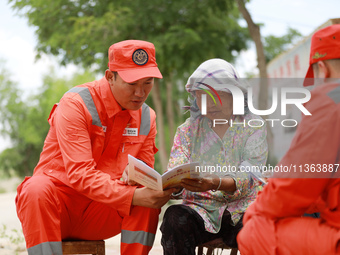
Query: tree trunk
x=170 y=109
x=254 y=31
x=156 y=98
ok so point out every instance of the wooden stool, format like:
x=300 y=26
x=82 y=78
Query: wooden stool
x=215 y=244
x=84 y=247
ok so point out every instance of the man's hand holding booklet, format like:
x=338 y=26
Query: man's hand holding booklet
x=148 y=177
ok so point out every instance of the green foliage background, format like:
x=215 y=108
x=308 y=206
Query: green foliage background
x=24 y=121
x=185 y=33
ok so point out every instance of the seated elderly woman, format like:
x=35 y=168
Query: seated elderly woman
x=213 y=206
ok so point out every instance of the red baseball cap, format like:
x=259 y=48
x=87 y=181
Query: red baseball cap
x=325 y=44
x=133 y=60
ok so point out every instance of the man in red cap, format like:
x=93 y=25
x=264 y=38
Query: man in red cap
x=273 y=224
x=76 y=191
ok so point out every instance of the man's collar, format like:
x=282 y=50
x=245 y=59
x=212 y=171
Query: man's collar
x=111 y=105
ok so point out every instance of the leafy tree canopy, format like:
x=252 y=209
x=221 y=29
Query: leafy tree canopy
x=274 y=46
x=184 y=32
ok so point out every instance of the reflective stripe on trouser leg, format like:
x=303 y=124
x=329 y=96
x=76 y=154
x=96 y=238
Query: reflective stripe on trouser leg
x=141 y=237
x=48 y=248
x=139 y=230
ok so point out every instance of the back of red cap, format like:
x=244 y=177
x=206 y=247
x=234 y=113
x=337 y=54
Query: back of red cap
x=325 y=44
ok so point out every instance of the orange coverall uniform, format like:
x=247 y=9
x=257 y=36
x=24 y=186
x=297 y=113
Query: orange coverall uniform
x=76 y=191
x=273 y=223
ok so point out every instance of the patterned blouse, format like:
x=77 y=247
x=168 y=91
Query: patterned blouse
x=195 y=141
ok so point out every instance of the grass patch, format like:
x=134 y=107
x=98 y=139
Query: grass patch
x=14 y=236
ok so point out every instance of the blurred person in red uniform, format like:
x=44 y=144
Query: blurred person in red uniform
x=76 y=191
x=273 y=223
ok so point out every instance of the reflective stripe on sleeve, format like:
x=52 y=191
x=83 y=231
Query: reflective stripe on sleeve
x=145 y=121
x=85 y=94
x=141 y=237
x=47 y=248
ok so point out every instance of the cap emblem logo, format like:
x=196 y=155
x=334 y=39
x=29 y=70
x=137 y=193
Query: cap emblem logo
x=140 y=57
x=317 y=55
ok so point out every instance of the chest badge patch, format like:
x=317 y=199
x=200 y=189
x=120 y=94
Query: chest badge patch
x=130 y=132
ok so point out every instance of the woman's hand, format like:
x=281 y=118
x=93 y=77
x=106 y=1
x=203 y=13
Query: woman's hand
x=205 y=184
x=198 y=185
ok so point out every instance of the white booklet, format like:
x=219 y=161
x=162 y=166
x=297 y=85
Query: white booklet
x=147 y=176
